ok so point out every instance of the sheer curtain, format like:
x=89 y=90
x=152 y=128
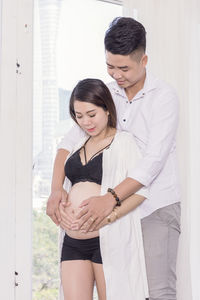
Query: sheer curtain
x=173 y=47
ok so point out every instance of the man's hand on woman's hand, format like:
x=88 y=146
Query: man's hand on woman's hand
x=94 y=210
x=52 y=209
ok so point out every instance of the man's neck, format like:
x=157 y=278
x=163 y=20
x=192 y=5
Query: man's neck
x=134 y=89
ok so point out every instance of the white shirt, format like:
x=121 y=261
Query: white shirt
x=121 y=242
x=152 y=118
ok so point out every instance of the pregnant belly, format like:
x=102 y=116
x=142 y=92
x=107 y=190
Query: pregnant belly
x=79 y=192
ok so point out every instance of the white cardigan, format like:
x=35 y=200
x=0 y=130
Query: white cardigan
x=120 y=242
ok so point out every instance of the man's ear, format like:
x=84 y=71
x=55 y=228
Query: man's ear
x=144 y=60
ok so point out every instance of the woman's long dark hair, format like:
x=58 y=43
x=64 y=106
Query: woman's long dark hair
x=96 y=92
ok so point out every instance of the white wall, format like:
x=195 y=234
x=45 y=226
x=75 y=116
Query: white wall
x=173 y=39
x=16 y=148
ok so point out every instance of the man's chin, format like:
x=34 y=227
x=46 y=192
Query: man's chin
x=121 y=84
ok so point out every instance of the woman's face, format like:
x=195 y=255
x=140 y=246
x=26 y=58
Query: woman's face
x=91 y=118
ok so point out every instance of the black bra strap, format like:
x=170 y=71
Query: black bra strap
x=96 y=152
x=85 y=150
x=101 y=150
x=85 y=154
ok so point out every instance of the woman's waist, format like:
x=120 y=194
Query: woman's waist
x=78 y=234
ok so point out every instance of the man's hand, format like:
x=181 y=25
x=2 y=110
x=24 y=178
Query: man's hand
x=52 y=209
x=94 y=210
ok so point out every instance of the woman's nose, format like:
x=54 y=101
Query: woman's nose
x=86 y=120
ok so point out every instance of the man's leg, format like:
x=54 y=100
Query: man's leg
x=161 y=232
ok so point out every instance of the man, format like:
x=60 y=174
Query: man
x=147 y=108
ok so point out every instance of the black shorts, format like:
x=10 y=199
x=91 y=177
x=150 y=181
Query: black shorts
x=75 y=249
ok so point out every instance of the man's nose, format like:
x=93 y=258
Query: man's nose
x=116 y=75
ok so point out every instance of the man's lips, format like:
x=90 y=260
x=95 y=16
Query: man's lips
x=120 y=81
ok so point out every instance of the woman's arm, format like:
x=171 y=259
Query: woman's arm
x=58 y=194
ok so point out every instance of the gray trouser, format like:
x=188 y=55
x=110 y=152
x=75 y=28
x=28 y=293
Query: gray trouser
x=161 y=232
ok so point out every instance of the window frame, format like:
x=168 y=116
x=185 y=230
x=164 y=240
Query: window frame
x=117 y=2
x=16 y=91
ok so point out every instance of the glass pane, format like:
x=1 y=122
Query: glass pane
x=68 y=46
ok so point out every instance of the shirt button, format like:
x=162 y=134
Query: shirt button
x=126 y=101
x=124 y=120
x=130 y=102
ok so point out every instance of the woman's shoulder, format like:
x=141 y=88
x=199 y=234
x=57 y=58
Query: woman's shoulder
x=124 y=146
x=124 y=136
x=126 y=142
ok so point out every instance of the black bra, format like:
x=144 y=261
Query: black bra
x=91 y=171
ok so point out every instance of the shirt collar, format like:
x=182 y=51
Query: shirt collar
x=149 y=84
x=118 y=90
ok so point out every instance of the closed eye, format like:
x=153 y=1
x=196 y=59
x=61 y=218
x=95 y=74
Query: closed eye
x=110 y=67
x=124 y=70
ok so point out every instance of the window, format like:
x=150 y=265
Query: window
x=68 y=47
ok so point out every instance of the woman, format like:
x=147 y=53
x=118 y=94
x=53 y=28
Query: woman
x=100 y=161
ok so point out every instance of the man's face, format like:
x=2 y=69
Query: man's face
x=127 y=70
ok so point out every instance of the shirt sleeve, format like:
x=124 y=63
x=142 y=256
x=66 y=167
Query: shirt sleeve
x=161 y=141
x=143 y=192
x=73 y=136
x=133 y=156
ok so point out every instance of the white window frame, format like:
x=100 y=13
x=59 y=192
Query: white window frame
x=16 y=148
x=118 y=2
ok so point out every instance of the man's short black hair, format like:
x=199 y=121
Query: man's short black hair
x=124 y=36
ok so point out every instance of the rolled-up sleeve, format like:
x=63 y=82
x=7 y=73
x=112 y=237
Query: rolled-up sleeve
x=162 y=127
x=72 y=137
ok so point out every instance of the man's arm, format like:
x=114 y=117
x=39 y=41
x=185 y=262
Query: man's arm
x=161 y=139
x=162 y=133
x=127 y=206
x=95 y=209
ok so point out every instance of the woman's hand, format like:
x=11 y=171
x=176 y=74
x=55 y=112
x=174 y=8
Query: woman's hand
x=52 y=209
x=83 y=228
x=102 y=224
x=67 y=215
x=93 y=211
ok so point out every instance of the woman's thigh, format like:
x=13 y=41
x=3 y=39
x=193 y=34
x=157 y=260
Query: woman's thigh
x=77 y=279
x=100 y=280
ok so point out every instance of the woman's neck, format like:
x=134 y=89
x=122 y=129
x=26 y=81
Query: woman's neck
x=103 y=135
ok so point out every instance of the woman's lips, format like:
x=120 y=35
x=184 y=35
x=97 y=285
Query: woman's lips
x=90 y=129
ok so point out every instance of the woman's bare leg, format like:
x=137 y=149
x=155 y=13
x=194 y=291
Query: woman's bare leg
x=77 y=279
x=100 y=281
